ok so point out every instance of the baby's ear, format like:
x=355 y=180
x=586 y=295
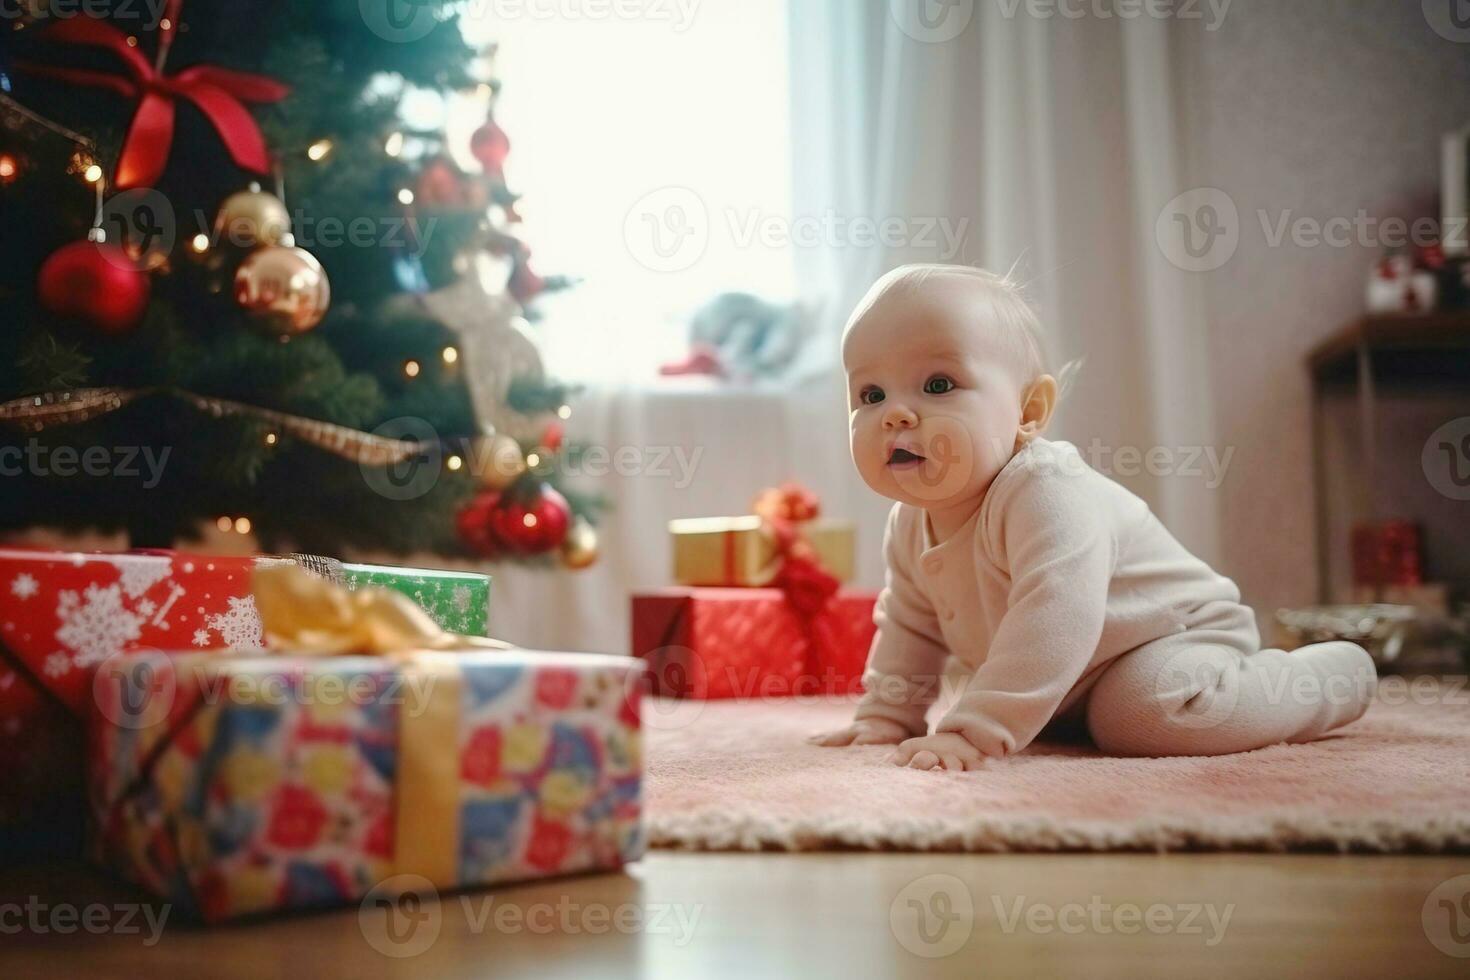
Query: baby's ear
x=1037 y=404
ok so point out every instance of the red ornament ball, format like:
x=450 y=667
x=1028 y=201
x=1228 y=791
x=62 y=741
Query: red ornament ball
x=532 y=528
x=473 y=522
x=442 y=185
x=490 y=146
x=553 y=436
x=97 y=283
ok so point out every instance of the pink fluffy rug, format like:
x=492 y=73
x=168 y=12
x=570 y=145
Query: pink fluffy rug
x=736 y=775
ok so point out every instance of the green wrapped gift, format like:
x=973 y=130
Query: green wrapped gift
x=458 y=601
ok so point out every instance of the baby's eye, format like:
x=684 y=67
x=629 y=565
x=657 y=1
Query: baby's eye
x=871 y=395
x=938 y=385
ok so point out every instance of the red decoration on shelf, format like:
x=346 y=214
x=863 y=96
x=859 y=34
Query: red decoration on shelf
x=94 y=282
x=219 y=93
x=534 y=528
x=1387 y=553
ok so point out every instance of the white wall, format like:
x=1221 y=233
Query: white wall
x=1320 y=107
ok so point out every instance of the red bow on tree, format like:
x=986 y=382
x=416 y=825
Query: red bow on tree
x=218 y=92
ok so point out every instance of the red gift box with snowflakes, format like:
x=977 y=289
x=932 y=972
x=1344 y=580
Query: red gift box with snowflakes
x=61 y=615
x=716 y=643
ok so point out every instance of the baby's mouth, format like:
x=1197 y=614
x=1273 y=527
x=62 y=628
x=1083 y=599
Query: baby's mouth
x=903 y=459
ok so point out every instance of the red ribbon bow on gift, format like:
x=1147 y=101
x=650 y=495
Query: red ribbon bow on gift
x=219 y=93
x=790 y=503
x=808 y=586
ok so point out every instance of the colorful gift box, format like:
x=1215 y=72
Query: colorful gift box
x=238 y=784
x=65 y=613
x=746 y=551
x=714 y=643
x=235 y=800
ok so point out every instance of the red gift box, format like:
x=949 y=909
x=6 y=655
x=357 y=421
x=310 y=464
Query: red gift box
x=1386 y=553
x=62 y=614
x=712 y=643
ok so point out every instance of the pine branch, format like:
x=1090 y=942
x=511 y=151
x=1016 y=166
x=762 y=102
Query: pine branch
x=531 y=396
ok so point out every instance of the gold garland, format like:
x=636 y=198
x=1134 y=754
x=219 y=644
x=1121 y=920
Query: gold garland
x=14 y=107
x=34 y=413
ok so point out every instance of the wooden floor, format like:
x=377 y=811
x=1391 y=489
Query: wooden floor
x=846 y=915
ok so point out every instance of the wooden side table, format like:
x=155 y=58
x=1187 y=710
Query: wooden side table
x=1365 y=354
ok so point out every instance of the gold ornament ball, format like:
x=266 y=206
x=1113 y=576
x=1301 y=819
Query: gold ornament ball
x=285 y=287
x=579 y=550
x=498 y=461
x=252 y=218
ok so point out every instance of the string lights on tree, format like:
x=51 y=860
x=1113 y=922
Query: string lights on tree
x=271 y=362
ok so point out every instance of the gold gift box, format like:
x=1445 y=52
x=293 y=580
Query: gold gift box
x=741 y=551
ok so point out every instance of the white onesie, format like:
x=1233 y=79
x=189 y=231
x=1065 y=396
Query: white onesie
x=1064 y=593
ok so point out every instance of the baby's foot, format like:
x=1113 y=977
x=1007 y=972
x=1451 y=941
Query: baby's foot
x=868 y=731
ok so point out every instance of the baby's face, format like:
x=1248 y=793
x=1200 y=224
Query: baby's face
x=934 y=397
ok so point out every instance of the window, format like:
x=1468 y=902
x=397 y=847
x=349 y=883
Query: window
x=630 y=136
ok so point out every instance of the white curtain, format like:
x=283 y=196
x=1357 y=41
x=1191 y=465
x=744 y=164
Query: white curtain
x=1054 y=144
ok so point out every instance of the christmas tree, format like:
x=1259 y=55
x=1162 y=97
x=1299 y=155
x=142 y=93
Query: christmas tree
x=241 y=287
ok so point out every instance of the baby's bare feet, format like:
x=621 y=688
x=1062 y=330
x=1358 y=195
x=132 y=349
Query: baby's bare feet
x=942 y=750
x=869 y=731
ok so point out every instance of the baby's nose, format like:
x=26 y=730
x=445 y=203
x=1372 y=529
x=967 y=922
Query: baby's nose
x=899 y=417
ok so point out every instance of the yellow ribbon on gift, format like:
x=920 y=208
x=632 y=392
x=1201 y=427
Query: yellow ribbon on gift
x=302 y=614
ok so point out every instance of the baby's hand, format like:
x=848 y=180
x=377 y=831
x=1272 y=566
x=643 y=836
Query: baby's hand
x=866 y=731
x=942 y=750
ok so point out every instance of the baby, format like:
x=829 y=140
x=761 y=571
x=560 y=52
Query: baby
x=1055 y=586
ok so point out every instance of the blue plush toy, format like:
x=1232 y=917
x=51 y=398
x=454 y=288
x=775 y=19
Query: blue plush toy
x=744 y=337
